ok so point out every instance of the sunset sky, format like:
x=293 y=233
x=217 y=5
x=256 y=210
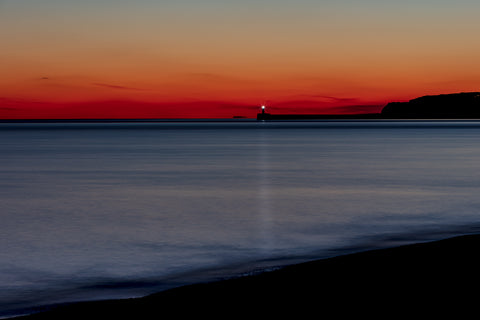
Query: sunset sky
x=225 y=58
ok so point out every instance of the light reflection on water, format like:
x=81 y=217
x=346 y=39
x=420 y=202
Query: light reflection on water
x=108 y=210
x=264 y=188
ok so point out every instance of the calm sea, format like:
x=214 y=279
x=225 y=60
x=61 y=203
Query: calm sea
x=115 y=210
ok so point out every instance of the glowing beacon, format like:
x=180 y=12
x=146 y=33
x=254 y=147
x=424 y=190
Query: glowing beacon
x=263 y=115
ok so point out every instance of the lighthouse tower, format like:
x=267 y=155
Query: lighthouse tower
x=263 y=115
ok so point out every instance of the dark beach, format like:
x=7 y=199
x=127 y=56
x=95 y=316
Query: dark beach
x=430 y=278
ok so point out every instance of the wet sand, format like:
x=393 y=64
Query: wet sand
x=437 y=278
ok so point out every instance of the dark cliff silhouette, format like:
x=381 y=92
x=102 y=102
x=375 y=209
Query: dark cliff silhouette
x=445 y=106
x=465 y=105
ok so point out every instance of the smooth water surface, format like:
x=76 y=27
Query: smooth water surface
x=109 y=210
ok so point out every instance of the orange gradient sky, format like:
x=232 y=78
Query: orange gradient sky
x=219 y=59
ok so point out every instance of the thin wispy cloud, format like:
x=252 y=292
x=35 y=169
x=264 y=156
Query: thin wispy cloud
x=326 y=98
x=117 y=87
x=215 y=77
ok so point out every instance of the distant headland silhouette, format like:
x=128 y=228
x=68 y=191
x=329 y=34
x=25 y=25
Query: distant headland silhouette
x=464 y=105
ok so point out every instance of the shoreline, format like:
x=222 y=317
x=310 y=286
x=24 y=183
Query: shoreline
x=423 y=277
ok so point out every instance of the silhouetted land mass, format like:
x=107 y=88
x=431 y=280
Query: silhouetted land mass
x=465 y=105
x=426 y=279
x=445 y=106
